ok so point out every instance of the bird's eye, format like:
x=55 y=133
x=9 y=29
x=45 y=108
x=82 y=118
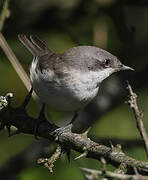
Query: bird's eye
x=107 y=62
x=89 y=67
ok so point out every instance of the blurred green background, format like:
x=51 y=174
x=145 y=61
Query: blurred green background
x=119 y=26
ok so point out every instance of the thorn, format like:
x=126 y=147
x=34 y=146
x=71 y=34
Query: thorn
x=111 y=144
x=90 y=174
x=135 y=170
x=103 y=162
x=68 y=153
x=40 y=120
x=74 y=118
x=8 y=129
x=12 y=133
x=42 y=114
x=127 y=84
x=84 y=154
x=86 y=132
x=56 y=139
x=66 y=150
x=2 y=125
x=27 y=98
x=117 y=149
x=119 y=146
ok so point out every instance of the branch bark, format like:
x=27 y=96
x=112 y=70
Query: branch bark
x=138 y=117
x=19 y=118
x=93 y=174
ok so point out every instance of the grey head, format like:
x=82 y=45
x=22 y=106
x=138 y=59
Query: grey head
x=92 y=59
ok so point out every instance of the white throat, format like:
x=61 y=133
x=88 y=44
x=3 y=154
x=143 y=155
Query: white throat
x=101 y=75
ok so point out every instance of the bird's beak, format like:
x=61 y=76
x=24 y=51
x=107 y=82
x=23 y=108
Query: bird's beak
x=123 y=67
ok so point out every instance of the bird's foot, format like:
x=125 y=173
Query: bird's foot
x=57 y=133
x=65 y=129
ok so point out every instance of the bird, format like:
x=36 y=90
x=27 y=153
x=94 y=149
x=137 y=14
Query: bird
x=69 y=81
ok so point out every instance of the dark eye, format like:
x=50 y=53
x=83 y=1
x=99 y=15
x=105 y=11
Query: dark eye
x=107 y=62
x=89 y=67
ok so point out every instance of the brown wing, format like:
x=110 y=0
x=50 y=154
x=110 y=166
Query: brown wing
x=46 y=57
x=38 y=48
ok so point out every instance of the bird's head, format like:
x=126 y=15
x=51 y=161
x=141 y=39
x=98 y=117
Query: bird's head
x=94 y=61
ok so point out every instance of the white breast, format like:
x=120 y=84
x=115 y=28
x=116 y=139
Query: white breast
x=68 y=94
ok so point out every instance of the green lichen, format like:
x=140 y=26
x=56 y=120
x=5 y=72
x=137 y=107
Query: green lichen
x=4 y=100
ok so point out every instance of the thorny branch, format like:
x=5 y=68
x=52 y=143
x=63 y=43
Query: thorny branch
x=19 y=118
x=138 y=117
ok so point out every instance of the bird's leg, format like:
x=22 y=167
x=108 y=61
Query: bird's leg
x=65 y=129
x=40 y=120
x=74 y=117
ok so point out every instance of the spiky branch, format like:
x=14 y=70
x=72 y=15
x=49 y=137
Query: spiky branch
x=64 y=137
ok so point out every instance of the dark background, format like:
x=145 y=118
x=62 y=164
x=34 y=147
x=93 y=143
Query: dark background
x=118 y=26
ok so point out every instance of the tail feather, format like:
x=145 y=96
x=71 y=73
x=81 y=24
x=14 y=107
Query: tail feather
x=39 y=43
x=34 y=45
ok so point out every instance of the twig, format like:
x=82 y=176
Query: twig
x=138 y=116
x=16 y=64
x=10 y=54
x=4 y=14
x=109 y=174
x=125 y=143
x=49 y=162
x=91 y=174
x=66 y=138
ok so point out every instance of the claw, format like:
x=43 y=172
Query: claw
x=61 y=130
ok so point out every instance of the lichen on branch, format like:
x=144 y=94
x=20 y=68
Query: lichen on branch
x=64 y=137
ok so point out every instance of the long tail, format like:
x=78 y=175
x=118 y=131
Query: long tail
x=36 y=46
